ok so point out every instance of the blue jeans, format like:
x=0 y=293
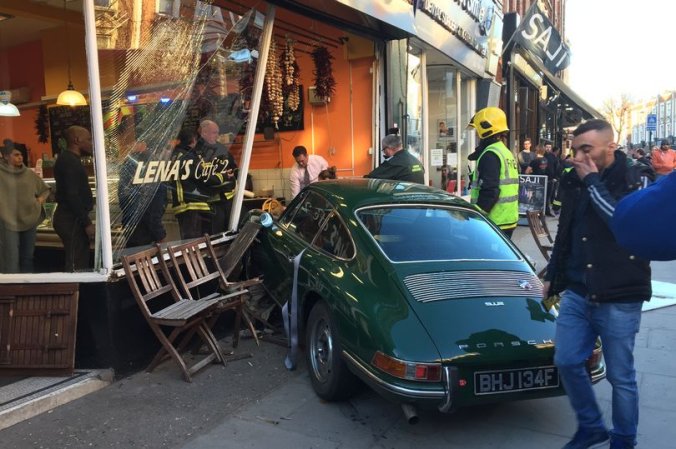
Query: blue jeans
x=579 y=323
x=18 y=247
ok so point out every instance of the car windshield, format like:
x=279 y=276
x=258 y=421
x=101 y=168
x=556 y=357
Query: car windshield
x=424 y=233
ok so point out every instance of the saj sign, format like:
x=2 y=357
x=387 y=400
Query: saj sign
x=538 y=36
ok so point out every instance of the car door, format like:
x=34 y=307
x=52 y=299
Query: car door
x=295 y=232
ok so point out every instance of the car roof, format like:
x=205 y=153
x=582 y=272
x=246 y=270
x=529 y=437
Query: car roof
x=354 y=193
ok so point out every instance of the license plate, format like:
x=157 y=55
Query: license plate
x=511 y=380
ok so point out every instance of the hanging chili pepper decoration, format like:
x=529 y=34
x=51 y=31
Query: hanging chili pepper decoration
x=324 y=81
x=42 y=124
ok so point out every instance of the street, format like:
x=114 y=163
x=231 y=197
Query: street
x=257 y=403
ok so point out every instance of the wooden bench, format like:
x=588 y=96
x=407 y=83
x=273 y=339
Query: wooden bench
x=162 y=306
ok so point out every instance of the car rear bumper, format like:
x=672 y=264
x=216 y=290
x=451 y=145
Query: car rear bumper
x=445 y=396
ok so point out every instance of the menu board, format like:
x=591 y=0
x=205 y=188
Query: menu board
x=532 y=193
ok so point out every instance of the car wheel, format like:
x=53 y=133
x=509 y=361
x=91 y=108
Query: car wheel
x=331 y=379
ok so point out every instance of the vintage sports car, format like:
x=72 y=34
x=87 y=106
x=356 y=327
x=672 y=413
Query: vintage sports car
x=413 y=291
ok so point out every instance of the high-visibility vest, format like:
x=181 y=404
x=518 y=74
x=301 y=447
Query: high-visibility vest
x=505 y=213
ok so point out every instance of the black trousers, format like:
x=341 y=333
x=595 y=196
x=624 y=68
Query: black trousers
x=221 y=218
x=75 y=240
x=193 y=224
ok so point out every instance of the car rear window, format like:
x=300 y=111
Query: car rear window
x=420 y=233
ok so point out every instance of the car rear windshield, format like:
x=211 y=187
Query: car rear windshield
x=422 y=233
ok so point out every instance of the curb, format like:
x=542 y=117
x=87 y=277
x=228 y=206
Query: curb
x=26 y=408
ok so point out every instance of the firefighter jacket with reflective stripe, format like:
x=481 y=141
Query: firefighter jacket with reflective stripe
x=186 y=191
x=505 y=212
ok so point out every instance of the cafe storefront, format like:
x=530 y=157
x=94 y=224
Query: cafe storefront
x=148 y=69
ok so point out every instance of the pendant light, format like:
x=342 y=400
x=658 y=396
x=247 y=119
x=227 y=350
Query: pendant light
x=7 y=109
x=70 y=96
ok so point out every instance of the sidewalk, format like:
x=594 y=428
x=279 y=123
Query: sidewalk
x=257 y=403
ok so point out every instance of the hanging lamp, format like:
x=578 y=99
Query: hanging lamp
x=7 y=109
x=70 y=96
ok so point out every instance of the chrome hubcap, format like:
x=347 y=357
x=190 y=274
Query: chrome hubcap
x=321 y=350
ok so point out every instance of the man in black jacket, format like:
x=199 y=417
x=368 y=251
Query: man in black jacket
x=75 y=200
x=401 y=165
x=602 y=286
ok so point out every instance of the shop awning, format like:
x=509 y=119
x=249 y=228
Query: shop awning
x=558 y=84
x=381 y=19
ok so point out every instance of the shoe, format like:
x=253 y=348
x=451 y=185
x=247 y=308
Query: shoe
x=588 y=438
x=621 y=443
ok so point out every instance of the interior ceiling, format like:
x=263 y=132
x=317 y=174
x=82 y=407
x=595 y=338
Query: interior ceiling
x=30 y=17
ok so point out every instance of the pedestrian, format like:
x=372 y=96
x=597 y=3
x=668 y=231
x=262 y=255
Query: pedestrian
x=602 y=286
x=495 y=181
x=142 y=204
x=306 y=169
x=640 y=156
x=399 y=165
x=553 y=173
x=21 y=211
x=663 y=159
x=74 y=200
x=643 y=221
x=222 y=179
x=525 y=156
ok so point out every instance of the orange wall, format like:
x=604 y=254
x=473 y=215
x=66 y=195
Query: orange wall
x=331 y=123
x=25 y=70
x=55 y=57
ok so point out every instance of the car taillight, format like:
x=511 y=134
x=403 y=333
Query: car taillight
x=429 y=372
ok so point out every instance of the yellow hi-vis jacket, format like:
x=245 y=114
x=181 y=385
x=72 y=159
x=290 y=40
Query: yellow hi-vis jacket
x=505 y=213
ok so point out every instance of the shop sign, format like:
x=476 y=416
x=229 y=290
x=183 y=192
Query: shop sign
x=398 y=13
x=473 y=32
x=148 y=172
x=537 y=35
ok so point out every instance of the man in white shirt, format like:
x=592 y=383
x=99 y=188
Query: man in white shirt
x=306 y=170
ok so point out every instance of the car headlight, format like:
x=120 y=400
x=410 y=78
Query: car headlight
x=426 y=372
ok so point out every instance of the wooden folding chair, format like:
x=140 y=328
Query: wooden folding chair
x=162 y=306
x=543 y=239
x=233 y=258
x=195 y=267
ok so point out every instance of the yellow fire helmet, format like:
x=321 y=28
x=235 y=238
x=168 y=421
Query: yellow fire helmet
x=488 y=122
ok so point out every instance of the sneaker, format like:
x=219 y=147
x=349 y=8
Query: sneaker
x=619 y=443
x=587 y=439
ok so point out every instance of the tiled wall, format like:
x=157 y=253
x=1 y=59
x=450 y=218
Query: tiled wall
x=273 y=178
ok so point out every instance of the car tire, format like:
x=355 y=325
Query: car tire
x=331 y=379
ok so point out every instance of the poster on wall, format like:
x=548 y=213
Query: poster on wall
x=436 y=157
x=532 y=193
x=444 y=129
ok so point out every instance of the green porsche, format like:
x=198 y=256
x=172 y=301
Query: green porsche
x=412 y=291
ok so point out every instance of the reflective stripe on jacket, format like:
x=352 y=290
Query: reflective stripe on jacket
x=505 y=213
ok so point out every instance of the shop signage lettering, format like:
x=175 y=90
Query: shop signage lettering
x=474 y=8
x=540 y=38
x=161 y=171
x=164 y=171
x=445 y=19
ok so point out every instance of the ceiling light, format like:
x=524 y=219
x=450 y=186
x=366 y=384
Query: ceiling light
x=70 y=96
x=7 y=109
